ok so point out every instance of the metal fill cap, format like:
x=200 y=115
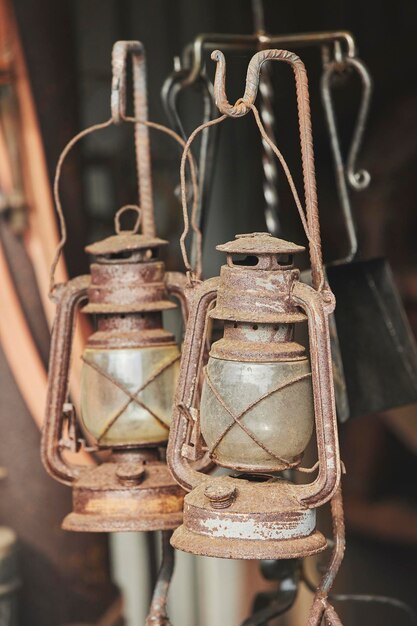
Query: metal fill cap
x=259 y=243
x=124 y=243
x=125 y=240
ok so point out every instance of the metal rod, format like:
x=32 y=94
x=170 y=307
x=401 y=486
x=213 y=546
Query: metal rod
x=158 y=610
x=121 y=50
x=193 y=54
x=244 y=105
x=320 y=604
x=266 y=92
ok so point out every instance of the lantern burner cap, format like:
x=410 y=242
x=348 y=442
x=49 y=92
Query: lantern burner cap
x=125 y=240
x=259 y=243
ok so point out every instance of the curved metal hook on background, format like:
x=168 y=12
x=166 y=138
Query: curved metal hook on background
x=175 y=83
x=339 y=167
x=347 y=172
x=359 y=179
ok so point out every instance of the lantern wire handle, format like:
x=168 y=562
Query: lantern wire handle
x=284 y=165
x=246 y=103
x=127 y=207
x=57 y=198
x=309 y=217
x=118 y=114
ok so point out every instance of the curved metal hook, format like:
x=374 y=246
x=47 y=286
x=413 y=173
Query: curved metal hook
x=120 y=53
x=339 y=166
x=359 y=178
x=174 y=84
x=244 y=104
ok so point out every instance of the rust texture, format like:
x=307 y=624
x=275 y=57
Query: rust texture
x=132 y=492
x=121 y=51
x=127 y=291
x=286 y=504
x=237 y=517
x=243 y=106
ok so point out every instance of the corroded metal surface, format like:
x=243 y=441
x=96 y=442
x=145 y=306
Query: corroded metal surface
x=233 y=517
x=130 y=495
x=243 y=106
x=259 y=243
x=127 y=292
x=121 y=51
x=127 y=287
x=258 y=293
x=260 y=521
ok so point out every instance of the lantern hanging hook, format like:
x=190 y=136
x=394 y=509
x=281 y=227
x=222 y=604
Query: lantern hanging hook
x=243 y=105
x=120 y=53
x=127 y=207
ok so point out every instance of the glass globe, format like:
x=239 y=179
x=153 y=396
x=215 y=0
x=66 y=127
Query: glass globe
x=111 y=416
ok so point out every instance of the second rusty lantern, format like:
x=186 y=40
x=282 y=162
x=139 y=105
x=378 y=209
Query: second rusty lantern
x=262 y=396
x=130 y=367
x=130 y=363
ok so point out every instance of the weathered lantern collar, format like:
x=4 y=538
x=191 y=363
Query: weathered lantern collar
x=256 y=289
x=127 y=277
x=125 y=241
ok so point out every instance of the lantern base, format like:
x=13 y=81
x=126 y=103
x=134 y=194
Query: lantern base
x=125 y=497
x=262 y=521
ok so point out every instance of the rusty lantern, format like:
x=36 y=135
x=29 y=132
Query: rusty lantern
x=258 y=404
x=130 y=367
x=130 y=364
x=261 y=394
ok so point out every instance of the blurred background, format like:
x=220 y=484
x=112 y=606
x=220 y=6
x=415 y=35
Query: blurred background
x=55 y=76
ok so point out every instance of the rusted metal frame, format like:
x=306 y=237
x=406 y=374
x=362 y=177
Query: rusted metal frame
x=329 y=473
x=331 y=616
x=121 y=50
x=70 y=296
x=211 y=41
x=158 y=609
x=318 y=311
x=200 y=298
x=321 y=605
x=176 y=283
x=243 y=106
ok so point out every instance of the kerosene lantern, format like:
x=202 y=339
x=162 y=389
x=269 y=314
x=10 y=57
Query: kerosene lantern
x=259 y=402
x=130 y=363
x=261 y=396
x=130 y=367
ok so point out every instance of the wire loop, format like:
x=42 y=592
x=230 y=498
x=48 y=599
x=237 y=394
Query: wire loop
x=120 y=212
